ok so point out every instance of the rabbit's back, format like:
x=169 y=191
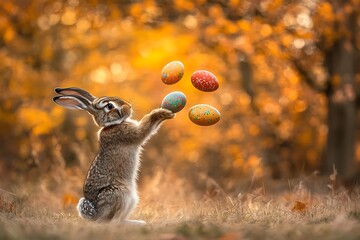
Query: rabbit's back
x=116 y=164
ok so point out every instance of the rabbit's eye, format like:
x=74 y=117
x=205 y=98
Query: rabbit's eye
x=109 y=106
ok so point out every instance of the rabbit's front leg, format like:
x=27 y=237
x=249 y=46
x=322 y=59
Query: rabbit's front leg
x=157 y=116
x=151 y=122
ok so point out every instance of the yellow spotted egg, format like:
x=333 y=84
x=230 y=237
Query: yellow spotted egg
x=172 y=72
x=204 y=115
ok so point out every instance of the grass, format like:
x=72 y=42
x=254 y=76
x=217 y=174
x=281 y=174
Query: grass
x=298 y=213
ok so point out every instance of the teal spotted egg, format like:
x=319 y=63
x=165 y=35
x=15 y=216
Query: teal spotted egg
x=204 y=115
x=174 y=101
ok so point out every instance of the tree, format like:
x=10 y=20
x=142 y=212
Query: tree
x=325 y=51
x=288 y=72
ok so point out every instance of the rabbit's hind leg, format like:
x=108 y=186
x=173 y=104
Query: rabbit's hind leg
x=135 y=222
x=87 y=209
x=113 y=203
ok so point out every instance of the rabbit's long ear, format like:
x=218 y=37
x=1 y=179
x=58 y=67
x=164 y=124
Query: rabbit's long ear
x=75 y=92
x=73 y=102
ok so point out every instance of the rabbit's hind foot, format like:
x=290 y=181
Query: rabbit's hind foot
x=86 y=209
x=135 y=222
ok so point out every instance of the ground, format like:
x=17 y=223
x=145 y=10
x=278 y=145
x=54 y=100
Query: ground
x=298 y=213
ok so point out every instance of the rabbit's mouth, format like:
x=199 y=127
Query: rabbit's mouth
x=123 y=114
x=125 y=111
x=114 y=121
x=117 y=116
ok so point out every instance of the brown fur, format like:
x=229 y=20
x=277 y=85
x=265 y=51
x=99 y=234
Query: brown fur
x=110 y=186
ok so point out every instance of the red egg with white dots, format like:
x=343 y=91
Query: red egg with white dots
x=204 y=81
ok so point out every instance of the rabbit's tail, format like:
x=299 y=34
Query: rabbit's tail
x=87 y=209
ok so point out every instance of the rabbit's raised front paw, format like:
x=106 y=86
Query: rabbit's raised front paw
x=162 y=114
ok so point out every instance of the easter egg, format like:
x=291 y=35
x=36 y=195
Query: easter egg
x=204 y=81
x=174 y=101
x=172 y=72
x=204 y=115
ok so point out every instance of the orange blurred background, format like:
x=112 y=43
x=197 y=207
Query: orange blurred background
x=266 y=56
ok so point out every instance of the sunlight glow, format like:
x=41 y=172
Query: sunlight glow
x=226 y=98
x=190 y=22
x=304 y=20
x=299 y=43
x=118 y=72
x=82 y=25
x=69 y=17
x=100 y=75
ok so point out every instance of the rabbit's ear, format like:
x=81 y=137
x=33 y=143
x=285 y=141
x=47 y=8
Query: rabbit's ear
x=73 y=102
x=75 y=92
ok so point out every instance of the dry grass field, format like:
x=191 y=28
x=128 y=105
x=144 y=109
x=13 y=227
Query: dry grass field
x=300 y=212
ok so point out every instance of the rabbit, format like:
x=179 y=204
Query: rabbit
x=110 y=188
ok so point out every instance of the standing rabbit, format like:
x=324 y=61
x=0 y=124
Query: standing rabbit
x=110 y=191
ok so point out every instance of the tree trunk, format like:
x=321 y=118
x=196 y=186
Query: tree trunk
x=340 y=146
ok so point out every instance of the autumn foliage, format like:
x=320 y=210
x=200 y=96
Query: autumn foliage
x=270 y=58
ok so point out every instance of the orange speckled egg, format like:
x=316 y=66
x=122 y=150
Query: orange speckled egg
x=172 y=72
x=204 y=115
